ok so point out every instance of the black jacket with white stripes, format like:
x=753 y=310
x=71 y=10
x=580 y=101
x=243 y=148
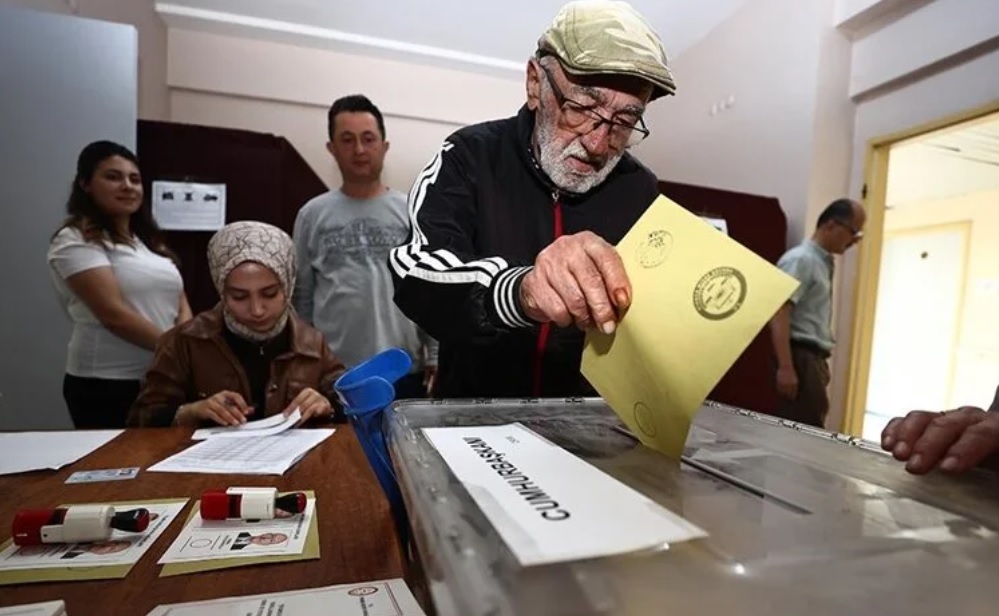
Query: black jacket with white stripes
x=481 y=211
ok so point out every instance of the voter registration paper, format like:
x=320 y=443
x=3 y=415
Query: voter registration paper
x=378 y=598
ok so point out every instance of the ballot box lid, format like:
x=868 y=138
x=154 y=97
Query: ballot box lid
x=799 y=521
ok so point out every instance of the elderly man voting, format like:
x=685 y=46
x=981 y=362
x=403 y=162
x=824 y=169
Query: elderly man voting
x=511 y=253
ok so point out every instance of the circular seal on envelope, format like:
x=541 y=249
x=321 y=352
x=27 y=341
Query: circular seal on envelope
x=362 y=591
x=644 y=418
x=720 y=293
x=654 y=249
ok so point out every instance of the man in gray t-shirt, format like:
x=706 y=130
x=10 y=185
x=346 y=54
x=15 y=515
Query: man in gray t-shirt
x=343 y=239
x=802 y=329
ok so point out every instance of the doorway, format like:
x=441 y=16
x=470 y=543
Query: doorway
x=916 y=322
x=924 y=334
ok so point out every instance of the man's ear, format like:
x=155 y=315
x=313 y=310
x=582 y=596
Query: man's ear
x=533 y=84
x=387 y=144
x=329 y=147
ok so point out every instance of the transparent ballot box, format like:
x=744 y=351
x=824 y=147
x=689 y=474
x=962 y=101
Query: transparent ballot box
x=799 y=522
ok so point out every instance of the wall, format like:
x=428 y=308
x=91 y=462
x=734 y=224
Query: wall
x=919 y=172
x=153 y=99
x=240 y=82
x=832 y=127
x=921 y=39
x=52 y=107
x=783 y=69
x=963 y=85
x=976 y=372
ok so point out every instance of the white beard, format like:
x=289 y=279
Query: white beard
x=555 y=162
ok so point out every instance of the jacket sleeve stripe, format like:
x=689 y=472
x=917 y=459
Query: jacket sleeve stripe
x=419 y=190
x=410 y=256
x=505 y=299
x=440 y=266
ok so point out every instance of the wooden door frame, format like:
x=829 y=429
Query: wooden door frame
x=865 y=282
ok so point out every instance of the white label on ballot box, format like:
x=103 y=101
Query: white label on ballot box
x=548 y=505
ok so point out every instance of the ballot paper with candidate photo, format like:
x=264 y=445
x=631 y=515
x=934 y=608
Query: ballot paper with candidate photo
x=698 y=300
x=548 y=505
x=121 y=549
x=217 y=539
x=378 y=598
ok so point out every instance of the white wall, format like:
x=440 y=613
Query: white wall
x=238 y=82
x=785 y=67
x=411 y=141
x=153 y=100
x=919 y=172
x=832 y=127
x=917 y=41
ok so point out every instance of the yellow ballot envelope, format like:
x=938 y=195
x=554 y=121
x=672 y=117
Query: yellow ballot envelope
x=698 y=300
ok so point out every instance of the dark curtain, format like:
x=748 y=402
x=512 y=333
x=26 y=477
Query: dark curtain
x=758 y=223
x=266 y=179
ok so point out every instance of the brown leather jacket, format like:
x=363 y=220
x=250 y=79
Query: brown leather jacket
x=193 y=362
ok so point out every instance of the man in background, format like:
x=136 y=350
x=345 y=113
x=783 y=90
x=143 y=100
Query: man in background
x=342 y=239
x=802 y=329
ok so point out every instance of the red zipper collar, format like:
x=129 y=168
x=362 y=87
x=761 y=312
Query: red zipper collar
x=543 y=333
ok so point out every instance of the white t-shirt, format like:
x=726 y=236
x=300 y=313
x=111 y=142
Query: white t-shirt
x=150 y=283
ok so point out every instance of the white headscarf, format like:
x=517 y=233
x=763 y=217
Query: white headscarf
x=239 y=242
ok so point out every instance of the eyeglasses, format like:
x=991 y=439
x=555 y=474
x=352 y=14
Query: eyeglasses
x=857 y=233
x=583 y=119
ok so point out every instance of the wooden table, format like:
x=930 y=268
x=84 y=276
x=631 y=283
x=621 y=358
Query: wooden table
x=356 y=532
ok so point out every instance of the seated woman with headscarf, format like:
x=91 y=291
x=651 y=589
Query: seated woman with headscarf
x=248 y=357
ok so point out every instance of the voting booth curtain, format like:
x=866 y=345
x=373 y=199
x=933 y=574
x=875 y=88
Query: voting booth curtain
x=266 y=179
x=759 y=224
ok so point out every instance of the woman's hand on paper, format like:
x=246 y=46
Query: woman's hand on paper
x=226 y=408
x=311 y=404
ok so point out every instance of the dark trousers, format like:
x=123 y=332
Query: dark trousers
x=811 y=406
x=410 y=387
x=98 y=404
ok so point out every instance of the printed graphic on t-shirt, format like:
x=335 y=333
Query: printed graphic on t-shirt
x=363 y=236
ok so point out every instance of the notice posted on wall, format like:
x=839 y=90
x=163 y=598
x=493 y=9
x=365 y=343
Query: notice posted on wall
x=189 y=206
x=718 y=223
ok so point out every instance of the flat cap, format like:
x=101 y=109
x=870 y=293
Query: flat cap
x=599 y=37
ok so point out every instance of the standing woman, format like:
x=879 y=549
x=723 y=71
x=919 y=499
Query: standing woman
x=118 y=282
